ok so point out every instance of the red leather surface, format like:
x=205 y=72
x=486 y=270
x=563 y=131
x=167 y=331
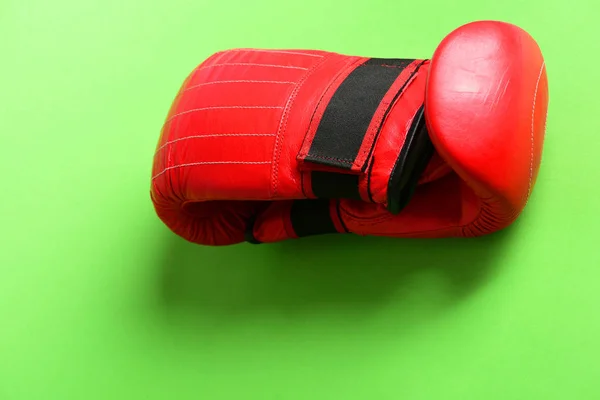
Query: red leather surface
x=228 y=149
x=487 y=98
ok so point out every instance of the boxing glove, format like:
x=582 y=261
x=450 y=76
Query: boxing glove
x=264 y=145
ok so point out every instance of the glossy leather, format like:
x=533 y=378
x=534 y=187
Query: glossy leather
x=230 y=149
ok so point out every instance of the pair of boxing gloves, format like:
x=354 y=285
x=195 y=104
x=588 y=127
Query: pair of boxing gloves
x=264 y=145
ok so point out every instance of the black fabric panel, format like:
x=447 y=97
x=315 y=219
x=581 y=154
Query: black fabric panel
x=398 y=93
x=311 y=217
x=412 y=161
x=330 y=185
x=347 y=116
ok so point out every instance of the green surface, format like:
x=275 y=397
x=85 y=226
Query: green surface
x=98 y=300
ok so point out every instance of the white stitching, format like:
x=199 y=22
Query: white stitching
x=219 y=108
x=211 y=135
x=254 y=64
x=283 y=124
x=238 y=81
x=278 y=51
x=208 y=163
x=537 y=83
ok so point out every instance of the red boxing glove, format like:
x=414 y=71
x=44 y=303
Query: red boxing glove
x=268 y=145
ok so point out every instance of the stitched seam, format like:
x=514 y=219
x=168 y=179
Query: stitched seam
x=407 y=141
x=211 y=136
x=537 y=83
x=383 y=65
x=401 y=90
x=167 y=156
x=276 y=51
x=209 y=163
x=254 y=64
x=330 y=158
x=343 y=73
x=218 y=108
x=239 y=81
x=382 y=111
x=204 y=64
x=370 y=137
x=283 y=125
x=387 y=108
x=391 y=106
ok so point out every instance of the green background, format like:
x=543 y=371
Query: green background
x=98 y=300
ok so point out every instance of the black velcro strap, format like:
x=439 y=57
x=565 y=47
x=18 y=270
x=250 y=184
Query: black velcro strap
x=410 y=164
x=330 y=185
x=311 y=217
x=348 y=114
